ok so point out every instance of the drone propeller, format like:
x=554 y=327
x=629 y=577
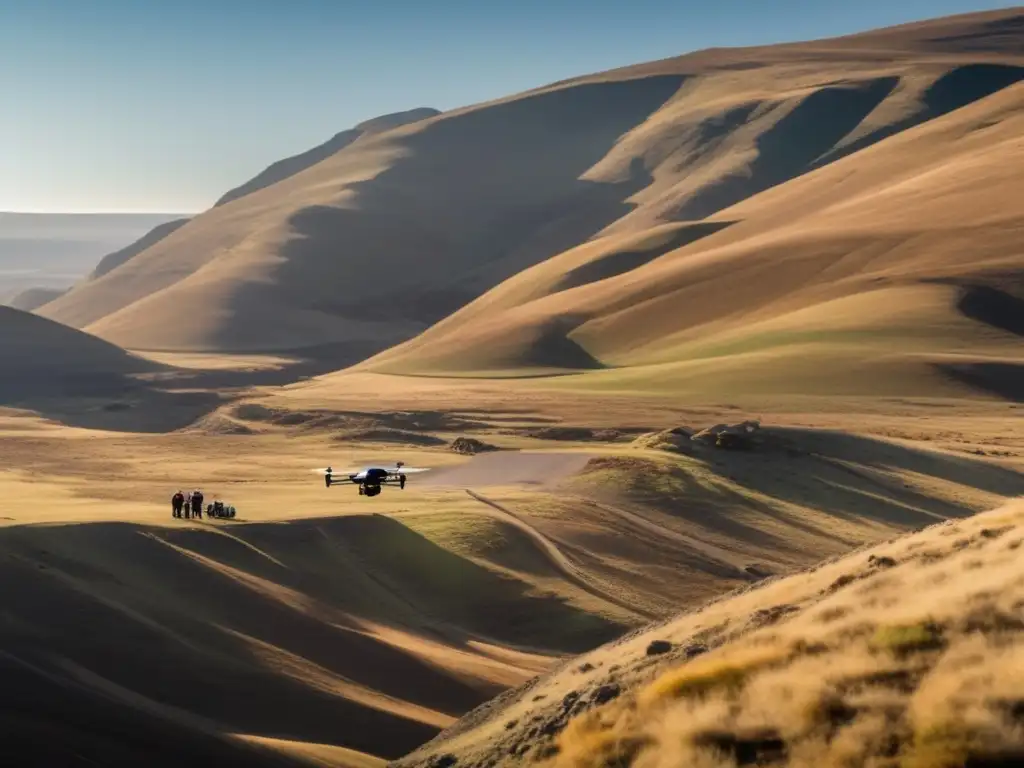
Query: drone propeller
x=396 y=470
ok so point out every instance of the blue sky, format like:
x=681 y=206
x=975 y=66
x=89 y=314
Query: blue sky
x=163 y=105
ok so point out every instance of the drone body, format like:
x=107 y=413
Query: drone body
x=370 y=480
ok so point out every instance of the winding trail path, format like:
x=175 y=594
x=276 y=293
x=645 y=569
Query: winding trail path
x=558 y=558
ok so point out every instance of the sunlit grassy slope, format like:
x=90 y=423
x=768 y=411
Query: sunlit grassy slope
x=397 y=230
x=894 y=270
x=905 y=654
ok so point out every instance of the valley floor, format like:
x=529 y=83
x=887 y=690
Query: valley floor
x=325 y=628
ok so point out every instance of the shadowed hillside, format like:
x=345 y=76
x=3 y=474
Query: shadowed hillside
x=370 y=632
x=40 y=355
x=448 y=207
x=117 y=258
x=891 y=271
x=78 y=379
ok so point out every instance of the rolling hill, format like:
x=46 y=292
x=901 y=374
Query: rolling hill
x=117 y=258
x=44 y=358
x=33 y=298
x=895 y=269
x=398 y=230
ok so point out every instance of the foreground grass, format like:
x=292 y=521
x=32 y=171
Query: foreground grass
x=910 y=654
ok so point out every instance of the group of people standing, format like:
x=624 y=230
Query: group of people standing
x=191 y=505
x=187 y=505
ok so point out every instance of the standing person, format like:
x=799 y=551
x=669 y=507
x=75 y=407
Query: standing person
x=197 y=503
x=186 y=505
x=177 y=503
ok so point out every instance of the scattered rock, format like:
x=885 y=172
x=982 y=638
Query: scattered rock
x=881 y=562
x=758 y=572
x=443 y=761
x=841 y=582
x=676 y=440
x=692 y=651
x=729 y=436
x=658 y=647
x=606 y=693
x=469 y=446
x=584 y=668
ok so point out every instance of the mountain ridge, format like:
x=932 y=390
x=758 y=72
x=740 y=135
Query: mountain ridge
x=393 y=235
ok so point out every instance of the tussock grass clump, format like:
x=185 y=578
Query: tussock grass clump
x=907 y=638
x=899 y=680
x=709 y=673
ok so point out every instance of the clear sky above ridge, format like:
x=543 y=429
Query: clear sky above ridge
x=163 y=105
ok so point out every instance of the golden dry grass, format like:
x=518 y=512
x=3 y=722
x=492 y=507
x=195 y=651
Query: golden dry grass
x=747 y=263
x=906 y=654
x=384 y=620
x=850 y=280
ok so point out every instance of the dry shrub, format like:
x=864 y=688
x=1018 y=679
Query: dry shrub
x=710 y=673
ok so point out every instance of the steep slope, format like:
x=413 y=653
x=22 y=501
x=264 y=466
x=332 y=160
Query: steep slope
x=908 y=653
x=119 y=257
x=398 y=230
x=385 y=237
x=282 y=169
x=853 y=278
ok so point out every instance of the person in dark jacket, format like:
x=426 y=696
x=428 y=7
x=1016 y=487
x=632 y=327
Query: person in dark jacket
x=197 y=504
x=177 y=503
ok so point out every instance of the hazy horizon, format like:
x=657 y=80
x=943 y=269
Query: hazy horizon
x=131 y=108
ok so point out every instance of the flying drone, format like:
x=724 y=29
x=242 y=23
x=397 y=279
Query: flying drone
x=370 y=480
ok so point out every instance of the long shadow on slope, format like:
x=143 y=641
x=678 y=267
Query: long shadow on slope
x=230 y=624
x=1000 y=35
x=841 y=476
x=791 y=146
x=1000 y=307
x=106 y=401
x=861 y=478
x=1002 y=379
x=464 y=207
x=993 y=307
x=48 y=720
x=957 y=88
x=619 y=262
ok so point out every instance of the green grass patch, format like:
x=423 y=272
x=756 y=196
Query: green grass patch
x=907 y=638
